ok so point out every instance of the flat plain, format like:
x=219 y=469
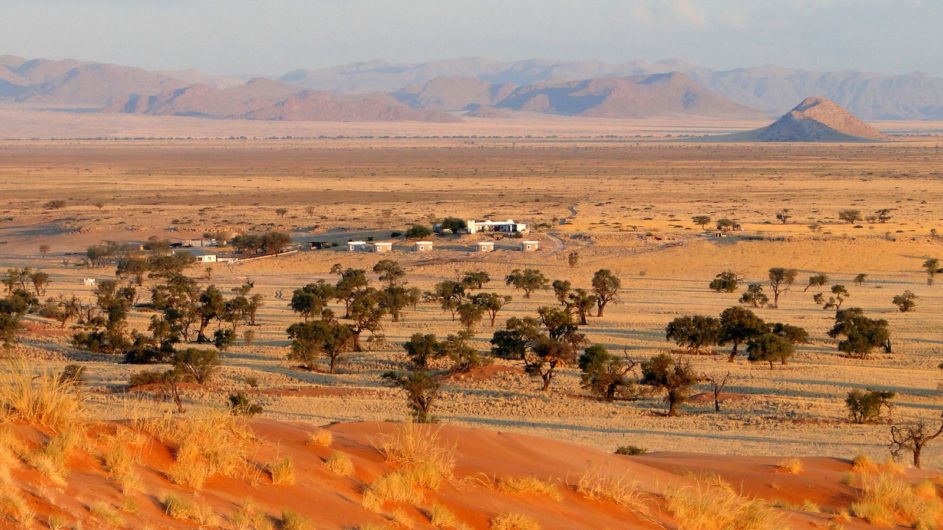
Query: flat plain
x=622 y=204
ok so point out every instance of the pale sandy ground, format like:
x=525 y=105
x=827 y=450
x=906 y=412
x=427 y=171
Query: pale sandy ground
x=619 y=191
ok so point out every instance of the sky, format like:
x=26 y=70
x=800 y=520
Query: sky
x=270 y=37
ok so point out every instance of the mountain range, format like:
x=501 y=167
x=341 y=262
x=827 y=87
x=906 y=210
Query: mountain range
x=445 y=90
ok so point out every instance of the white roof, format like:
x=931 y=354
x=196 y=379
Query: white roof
x=528 y=242
x=486 y=243
x=508 y=222
x=356 y=242
x=423 y=242
x=383 y=243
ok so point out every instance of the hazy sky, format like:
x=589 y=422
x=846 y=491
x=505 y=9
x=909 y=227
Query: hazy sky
x=274 y=36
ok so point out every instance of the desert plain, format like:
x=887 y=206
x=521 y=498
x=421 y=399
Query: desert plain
x=622 y=203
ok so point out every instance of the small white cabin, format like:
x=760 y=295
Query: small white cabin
x=88 y=281
x=484 y=246
x=423 y=246
x=381 y=247
x=529 y=246
x=206 y=258
x=356 y=246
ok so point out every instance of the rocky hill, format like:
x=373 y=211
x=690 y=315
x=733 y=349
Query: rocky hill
x=816 y=119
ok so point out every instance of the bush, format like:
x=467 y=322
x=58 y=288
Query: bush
x=865 y=407
x=196 y=364
x=239 y=405
x=418 y=232
x=45 y=398
x=630 y=450
x=223 y=339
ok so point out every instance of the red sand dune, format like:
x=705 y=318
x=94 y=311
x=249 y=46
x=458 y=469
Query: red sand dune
x=332 y=501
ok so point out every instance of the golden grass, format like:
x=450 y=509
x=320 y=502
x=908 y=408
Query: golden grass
x=514 y=521
x=418 y=454
x=248 y=517
x=38 y=398
x=181 y=508
x=340 y=464
x=15 y=507
x=712 y=504
x=594 y=484
x=106 y=512
x=294 y=521
x=392 y=487
x=528 y=485
x=321 y=438
x=282 y=471
x=864 y=465
x=442 y=517
x=886 y=499
x=207 y=445
x=792 y=466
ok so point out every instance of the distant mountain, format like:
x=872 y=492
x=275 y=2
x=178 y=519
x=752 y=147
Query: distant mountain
x=454 y=93
x=816 y=119
x=770 y=89
x=264 y=99
x=624 y=97
x=478 y=86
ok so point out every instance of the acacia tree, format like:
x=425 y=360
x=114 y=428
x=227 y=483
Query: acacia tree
x=474 y=280
x=492 y=303
x=421 y=389
x=421 y=349
x=450 y=295
x=725 y=282
x=865 y=407
x=839 y=293
x=780 y=281
x=932 y=266
x=527 y=280
x=561 y=289
x=783 y=215
x=912 y=437
x=310 y=340
x=606 y=375
x=738 y=325
x=717 y=387
x=573 y=259
x=850 y=216
x=470 y=314
x=769 y=348
x=701 y=220
x=351 y=284
x=606 y=286
x=581 y=301
x=816 y=280
x=543 y=344
x=312 y=299
x=390 y=272
x=367 y=313
x=905 y=301
x=211 y=305
x=693 y=333
x=862 y=334
x=674 y=377
x=754 y=296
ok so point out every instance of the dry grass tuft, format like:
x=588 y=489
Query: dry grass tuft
x=248 y=517
x=793 y=466
x=106 y=512
x=442 y=517
x=293 y=521
x=340 y=464
x=393 y=487
x=321 y=438
x=411 y=445
x=529 y=485
x=514 y=521
x=712 y=504
x=282 y=471
x=864 y=465
x=41 y=399
x=15 y=507
x=887 y=499
x=597 y=485
x=212 y=444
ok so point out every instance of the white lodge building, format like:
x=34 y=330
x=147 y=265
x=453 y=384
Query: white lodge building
x=505 y=227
